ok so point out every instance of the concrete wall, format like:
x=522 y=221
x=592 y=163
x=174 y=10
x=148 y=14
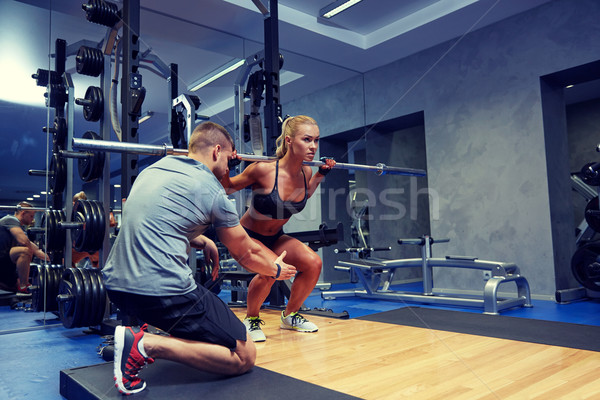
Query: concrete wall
x=484 y=130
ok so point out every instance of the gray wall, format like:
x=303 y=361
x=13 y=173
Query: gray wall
x=484 y=130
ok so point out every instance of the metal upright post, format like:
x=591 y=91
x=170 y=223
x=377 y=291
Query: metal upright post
x=130 y=81
x=427 y=269
x=173 y=88
x=68 y=82
x=105 y=129
x=272 y=109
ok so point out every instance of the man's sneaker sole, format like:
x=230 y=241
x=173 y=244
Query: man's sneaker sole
x=118 y=357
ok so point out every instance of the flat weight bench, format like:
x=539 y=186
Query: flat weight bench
x=376 y=276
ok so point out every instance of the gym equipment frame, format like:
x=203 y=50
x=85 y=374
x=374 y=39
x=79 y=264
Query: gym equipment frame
x=376 y=276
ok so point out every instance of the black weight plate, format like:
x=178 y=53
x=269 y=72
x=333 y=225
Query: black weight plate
x=95 y=226
x=585 y=265
x=84 y=165
x=67 y=299
x=57 y=178
x=88 y=300
x=100 y=227
x=60 y=134
x=78 y=284
x=46 y=223
x=50 y=282
x=93 y=112
x=37 y=288
x=60 y=234
x=78 y=234
x=57 y=271
x=103 y=295
x=91 y=168
x=589 y=177
x=95 y=297
x=89 y=227
x=592 y=214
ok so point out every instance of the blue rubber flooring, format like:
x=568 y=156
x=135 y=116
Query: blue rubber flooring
x=34 y=352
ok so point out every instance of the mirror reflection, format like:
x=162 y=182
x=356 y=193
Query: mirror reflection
x=46 y=109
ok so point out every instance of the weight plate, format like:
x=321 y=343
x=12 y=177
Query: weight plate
x=100 y=227
x=89 y=227
x=88 y=298
x=592 y=214
x=78 y=284
x=37 y=288
x=94 y=316
x=60 y=234
x=59 y=138
x=585 y=265
x=52 y=289
x=57 y=178
x=67 y=300
x=78 y=234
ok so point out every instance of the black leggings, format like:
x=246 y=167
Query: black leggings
x=268 y=241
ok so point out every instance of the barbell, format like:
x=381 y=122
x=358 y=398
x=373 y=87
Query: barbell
x=164 y=150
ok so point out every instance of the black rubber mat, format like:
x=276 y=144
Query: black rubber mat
x=170 y=380
x=583 y=337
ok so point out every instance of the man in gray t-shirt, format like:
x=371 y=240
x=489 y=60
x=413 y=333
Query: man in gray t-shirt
x=170 y=205
x=16 y=250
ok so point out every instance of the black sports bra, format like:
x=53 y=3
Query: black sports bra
x=271 y=204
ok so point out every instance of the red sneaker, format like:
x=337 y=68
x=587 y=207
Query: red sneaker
x=129 y=360
x=24 y=290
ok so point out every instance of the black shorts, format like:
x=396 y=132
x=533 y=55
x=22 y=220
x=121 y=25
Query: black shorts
x=198 y=315
x=8 y=271
x=268 y=241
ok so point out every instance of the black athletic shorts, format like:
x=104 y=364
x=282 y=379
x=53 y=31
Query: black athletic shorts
x=198 y=315
x=268 y=241
x=8 y=271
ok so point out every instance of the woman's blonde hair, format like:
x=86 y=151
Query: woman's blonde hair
x=289 y=129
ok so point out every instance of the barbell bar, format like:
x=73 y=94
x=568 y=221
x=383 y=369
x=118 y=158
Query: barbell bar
x=21 y=208
x=164 y=150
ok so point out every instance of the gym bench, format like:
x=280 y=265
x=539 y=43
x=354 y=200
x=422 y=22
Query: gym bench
x=376 y=276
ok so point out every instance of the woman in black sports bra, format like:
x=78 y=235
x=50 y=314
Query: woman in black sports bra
x=281 y=189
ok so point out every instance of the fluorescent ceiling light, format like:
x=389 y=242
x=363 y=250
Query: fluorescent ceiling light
x=30 y=198
x=216 y=74
x=146 y=115
x=284 y=78
x=337 y=7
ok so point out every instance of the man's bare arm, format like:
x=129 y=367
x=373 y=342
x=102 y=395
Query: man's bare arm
x=254 y=256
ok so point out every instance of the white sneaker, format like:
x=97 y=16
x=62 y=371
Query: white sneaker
x=297 y=322
x=253 y=327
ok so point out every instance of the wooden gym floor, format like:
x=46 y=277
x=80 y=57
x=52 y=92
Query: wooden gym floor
x=373 y=360
x=365 y=359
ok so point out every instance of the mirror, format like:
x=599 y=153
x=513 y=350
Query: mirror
x=167 y=36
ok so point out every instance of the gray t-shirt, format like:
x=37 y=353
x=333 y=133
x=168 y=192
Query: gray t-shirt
x=6 y=238
x=171 y=202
